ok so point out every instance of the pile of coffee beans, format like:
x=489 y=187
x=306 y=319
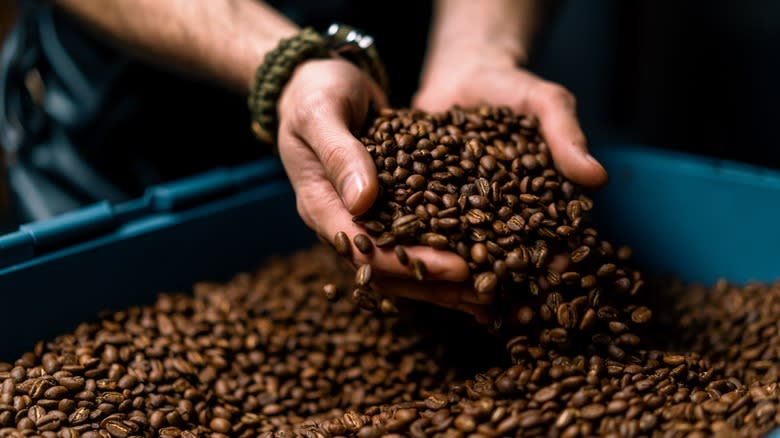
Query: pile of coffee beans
x=481 y=182
x=743 y=332
x=261 y=353
x=267 y=355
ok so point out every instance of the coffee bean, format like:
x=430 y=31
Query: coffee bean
x=435 y=240
x=387 y=307
x=363 y=243
x=592 y=411
x=365 y=299
x=117 y=429
x=546 y=394
x=418 y=269
x=448 y=224
x=342 y=244
x=641 y=315
x=567 y=315
x=416 y=182
x=624 y=253
x=525 y=315
x=363 y=275
x=485 y=283
x=374 y=227
x=588 y=319
x=386 y=240
x=331 y=291
x=220 y=425
x=479 y=253
x=400 y=253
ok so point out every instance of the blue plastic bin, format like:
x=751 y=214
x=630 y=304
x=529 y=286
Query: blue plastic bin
x=59 y=272
x=694 y=217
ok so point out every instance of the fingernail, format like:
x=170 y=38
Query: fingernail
x=350 y=190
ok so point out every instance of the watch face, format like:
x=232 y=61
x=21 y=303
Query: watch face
x=358 y=47
x=342 y=34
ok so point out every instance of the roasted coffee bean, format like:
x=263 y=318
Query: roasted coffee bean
x=220 y=425
x=386 y=240
x=363 y=275
x=641 y=315
x=485 y=283
x=363 y=243
x=567 y=315
x=331 y=291
x=400 y=253
x=374 y=227
x=365 y=298
x=342 y=244
x=387 y=307
x=418 y=269
x=479 y=253
x=435 y=240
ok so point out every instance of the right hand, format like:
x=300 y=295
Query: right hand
x=320 y=111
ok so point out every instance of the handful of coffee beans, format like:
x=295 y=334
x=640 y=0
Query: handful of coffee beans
x=481 y=183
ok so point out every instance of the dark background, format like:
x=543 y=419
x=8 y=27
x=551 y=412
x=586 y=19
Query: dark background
x=700 y=76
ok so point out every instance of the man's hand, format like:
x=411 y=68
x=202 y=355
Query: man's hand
x=321 y=108
x=473 y=55
x=482 y=78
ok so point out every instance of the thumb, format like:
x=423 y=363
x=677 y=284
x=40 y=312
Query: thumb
x=346 y=161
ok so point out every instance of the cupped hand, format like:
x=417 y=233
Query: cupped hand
x=321 y=110
x=474 y=77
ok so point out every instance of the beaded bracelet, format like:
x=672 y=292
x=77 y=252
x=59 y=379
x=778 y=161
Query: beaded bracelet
x=279 y=64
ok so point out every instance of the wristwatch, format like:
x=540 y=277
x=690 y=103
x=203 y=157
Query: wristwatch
x=359 y=48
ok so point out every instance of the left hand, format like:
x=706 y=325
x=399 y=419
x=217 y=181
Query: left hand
x=470 y=77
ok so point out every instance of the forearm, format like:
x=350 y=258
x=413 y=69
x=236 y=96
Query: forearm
x=221 y=40
x=499 y=28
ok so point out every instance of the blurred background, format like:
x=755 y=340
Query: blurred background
x=696 y=76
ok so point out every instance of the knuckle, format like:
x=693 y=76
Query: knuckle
x=311 y=106
x=333 y=157
x=560 y=94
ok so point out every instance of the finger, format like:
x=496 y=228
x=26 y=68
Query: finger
x=325 y=128
x=446 y=293
x=556 y=109
x=456 y=296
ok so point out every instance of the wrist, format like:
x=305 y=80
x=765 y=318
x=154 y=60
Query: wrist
x=457 y=60
x=279 y=65
x=490 y=50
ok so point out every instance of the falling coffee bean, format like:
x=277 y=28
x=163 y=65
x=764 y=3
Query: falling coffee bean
x=342 y=244
x=363 y=275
